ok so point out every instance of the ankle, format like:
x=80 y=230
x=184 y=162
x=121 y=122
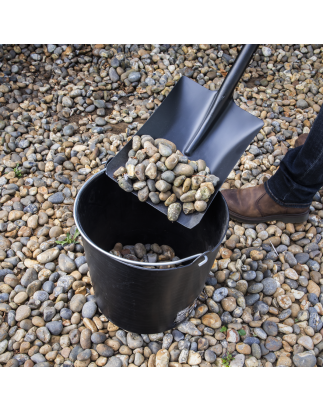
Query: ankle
x=281 y=203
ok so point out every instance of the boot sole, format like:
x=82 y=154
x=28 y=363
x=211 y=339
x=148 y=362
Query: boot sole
x=285 y=218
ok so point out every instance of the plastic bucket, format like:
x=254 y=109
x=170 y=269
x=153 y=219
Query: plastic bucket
x=134 y=297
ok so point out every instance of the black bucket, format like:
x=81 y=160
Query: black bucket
x=136 y=298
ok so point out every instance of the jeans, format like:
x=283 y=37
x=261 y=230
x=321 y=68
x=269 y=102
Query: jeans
x=300 y=174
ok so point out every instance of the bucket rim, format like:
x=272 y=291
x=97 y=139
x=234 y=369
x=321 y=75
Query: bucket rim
x=137 y=264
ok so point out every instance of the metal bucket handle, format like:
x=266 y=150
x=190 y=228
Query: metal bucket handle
x=196 y=256
x=125 y=261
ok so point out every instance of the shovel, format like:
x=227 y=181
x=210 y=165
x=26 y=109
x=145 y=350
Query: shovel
x=203 y=124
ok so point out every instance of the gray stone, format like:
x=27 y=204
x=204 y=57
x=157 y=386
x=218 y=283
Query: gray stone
x=56 y=198
x=114 y=362
x=210 y=356
x=134 y=340
x=41 y=295
x=134 y=76
x=29 y=276
x=66 y=264
x=84 y=355
x=304 y=359
x=270 y=327
x=77 y=302
x=49 y=313
x=113 y=75
x=43 y=334
x=270 y=286
x=187 y=327
x=219 y=294
x=37 y=358
x=98 y=338
x=238 y=361
x=104 y=350
x=89 y=309
x=273 y=344
x=55 y=327
x=256 y=351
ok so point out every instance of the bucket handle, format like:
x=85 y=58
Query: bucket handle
x=173 y=263
x=196 y=256
x=204 y=261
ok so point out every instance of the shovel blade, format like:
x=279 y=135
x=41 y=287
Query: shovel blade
x=179 y=118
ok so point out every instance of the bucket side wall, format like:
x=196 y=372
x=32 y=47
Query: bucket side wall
x=142 y=300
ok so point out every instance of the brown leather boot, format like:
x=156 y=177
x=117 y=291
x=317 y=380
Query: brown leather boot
x=301 y=140
x=253 y=205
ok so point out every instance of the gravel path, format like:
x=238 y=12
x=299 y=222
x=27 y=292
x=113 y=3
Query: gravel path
x=63 y=111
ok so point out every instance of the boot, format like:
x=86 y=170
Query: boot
x=301 y=140
x=253 y=205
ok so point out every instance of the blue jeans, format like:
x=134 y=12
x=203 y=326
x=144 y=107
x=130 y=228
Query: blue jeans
x=300 y=174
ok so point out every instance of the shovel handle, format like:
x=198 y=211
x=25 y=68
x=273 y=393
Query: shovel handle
x=222 y=97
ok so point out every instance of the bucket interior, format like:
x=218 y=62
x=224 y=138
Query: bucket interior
x=107 y=215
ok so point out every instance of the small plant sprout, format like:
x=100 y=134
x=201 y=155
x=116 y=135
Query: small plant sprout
x=69 y=239
x=226 y=360
x=17 y=171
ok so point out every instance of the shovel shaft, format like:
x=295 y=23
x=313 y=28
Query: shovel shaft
x=222 y=97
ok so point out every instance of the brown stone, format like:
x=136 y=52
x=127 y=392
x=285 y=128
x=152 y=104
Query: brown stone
x=284 y=361
x=90 y=325
x=229 y=304
x=194 y=358
x=152 y=361
x=243 y=348
x=312 y=287
x=306 y=342
x=211 y=320
x=162 y=358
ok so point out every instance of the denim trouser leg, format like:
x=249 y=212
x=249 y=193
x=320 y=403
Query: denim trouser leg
x=300 y=174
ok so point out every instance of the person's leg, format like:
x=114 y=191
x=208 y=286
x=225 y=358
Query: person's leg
x=287 y=195
x=300 y=174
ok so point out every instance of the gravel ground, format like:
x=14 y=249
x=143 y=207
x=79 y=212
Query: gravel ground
x=64 y=109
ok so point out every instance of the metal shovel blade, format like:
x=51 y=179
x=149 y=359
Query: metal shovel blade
x=180 y=119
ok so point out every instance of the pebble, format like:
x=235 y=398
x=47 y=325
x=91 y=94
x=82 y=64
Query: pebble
x=251 y=362
x=114 y=362
x=55 y=327
x=210 y=356
x=238 y=361
x=306 y=342
x=162 y=358
x=243 y=348
x=188 y=327
x=219 y=294
x=212 y=320
x=23 y=311
x=66 y=264
x=104 y=350
x=193 y=193
x=134 y=340
x=89 y=309
x=270 y=286
x=270 y=328
x=140 y=254
x=304 y=359
x=273 y=344
x=77 y=302
x=194 y=358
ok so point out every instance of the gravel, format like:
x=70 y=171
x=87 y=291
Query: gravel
x=149 y=253
x=170 y=172
x=64 y=111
